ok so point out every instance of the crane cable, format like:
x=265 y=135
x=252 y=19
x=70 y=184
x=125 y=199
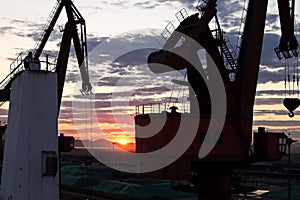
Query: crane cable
x=92 y=139
x=90 y=149
x=173 y=89
x=183 y=91
x=288 y=76
x=296 y=63
x=296 y=60
x=285 y=75
x=297 y=74
x=292 y=102
x=179 y=91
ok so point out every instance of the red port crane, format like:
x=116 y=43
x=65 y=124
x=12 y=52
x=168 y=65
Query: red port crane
x=211 y=175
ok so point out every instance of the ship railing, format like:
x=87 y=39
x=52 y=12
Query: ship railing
x=47 y=63
x=156 y=108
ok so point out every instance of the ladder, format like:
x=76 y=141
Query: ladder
x=47 y=28
x=181 y=15
x=231 y=64
x=166 y=33
x=242 y=26
x=227 y=51
x=170 y=28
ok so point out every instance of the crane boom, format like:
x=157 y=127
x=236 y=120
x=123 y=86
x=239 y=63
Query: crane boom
x=44 y=36
x=70 y=33
x=250 y=55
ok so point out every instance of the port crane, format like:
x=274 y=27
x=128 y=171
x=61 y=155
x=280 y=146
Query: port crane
x=34 y=88
x=70 y=33
x=211 y=176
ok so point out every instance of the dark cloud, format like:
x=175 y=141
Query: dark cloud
x=6 y=30
x=270 y=92
x=36 y=30
x=287 y=123
x=274 y=112
x=72 y=76
x=268 y=101
x=135 y=57
x=3 y=111
x=272 y=21
x=268 y=56
x=154 y=4
x=108 y=81
x=119 y=48
x=227 y=12
x=25 y=23
x=147 y=4
x=28 y=29
x=151 y=91
x=94 y=41
x=120 y=3
x=270 y=76
x=273 y=68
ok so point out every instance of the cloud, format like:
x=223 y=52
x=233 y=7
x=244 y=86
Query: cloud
x=272 y=22
x=6 y=30
x=147 y=5
x=22 y=28
x=275 y=123
x=268 y=56
x=268 y=101
x=156 y=3
x=270 y=92
x=120 y=3
x=233 y=12
x=270 y=76
x=135 y=57
x=274 y=112
x=115 y=49
x=108 y=81
x=93 y=41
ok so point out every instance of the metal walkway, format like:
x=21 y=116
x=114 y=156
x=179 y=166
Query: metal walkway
x=48 y=63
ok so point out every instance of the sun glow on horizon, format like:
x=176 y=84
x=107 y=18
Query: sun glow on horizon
x=122 y=141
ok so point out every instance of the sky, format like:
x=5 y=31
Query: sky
x=131 y=24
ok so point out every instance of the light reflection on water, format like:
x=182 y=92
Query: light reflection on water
x=251 y=195
x=260 y=192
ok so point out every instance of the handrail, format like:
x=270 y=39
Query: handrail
x=156 y=108
x=17 y=66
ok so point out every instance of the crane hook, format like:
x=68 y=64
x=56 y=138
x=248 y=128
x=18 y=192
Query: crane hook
x=291 y=104
x=291 y=114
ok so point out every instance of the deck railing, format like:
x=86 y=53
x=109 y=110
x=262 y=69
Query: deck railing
x=155 y=108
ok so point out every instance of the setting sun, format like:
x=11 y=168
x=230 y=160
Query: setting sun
x=123 y=141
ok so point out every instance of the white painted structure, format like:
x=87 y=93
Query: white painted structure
x=30 y=154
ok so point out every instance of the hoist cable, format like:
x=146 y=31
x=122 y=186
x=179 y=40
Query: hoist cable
x=285 y=76
x=173 y=88
x=92 y=139
x=297 y=71
x=288 y=77
x=181 y=89
x=294 y=77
